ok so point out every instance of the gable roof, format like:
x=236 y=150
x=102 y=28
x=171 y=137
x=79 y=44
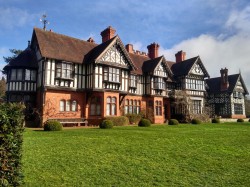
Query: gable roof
x=150 y=65
x=26 y=59
x=138 y=61
x=214 y=84
x=61 y=47
x=183 y=68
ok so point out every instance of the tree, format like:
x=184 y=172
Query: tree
x=15 y=53
x=2 y=88
x=247 y=105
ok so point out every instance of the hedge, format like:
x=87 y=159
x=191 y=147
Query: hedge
x=119 y=120
x=173 y=122
x=240 y=120
x=52 y=125
x=106 y=124
x=196 y=121
x=11 y=139
x=215 y=120
x=134 y=118
x=144 y=123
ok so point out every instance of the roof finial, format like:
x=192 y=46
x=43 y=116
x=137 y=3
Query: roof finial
x=44 y=21
x=239 y=71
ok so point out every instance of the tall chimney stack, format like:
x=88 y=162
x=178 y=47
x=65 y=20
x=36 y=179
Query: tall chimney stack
x=180 y=56
x=107 y=34
x=224 y=84
x=153 y=50
x=129 y=48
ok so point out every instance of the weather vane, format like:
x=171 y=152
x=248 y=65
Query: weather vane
x=44 y=21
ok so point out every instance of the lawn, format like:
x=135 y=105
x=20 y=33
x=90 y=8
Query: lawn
x=162 y=155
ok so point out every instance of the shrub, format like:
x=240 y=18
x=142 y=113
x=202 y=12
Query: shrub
x=106 y=124
x=249 y=120
x=173 y=122
x=144 y=123
x=195 y=121
x=240 y=120
x=134 y=118
x=52 y=125
x=119 y=120
x=215 y=120
x=11 y=139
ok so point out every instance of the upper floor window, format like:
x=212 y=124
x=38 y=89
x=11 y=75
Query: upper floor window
x=133 y=81
x=64 y=70
x=237 y=95
x=111 y=74
x=16 y=74
x=159 y=83
x=195 y=84
x=30 y=75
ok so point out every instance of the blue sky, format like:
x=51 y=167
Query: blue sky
x=217 y=30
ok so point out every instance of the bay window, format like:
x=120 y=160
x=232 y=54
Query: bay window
x=111 y=74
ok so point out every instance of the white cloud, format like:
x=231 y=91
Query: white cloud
x=14 y=17
x=218 y=52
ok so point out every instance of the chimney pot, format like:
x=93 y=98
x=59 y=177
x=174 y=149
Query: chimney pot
x=91 y=40
x=107 y=34
x=153 y=50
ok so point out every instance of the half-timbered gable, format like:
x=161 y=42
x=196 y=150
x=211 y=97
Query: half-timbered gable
x=226 y=95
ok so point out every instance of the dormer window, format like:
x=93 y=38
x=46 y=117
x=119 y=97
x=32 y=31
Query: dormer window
x=64 y=70
x=30 y=75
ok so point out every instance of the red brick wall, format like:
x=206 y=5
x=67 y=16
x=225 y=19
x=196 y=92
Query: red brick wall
x=52 y=104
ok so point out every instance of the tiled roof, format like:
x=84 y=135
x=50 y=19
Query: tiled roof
x=138 y=61
x=26 y=59
x=215 y=83
x=150 y=65
x=61 y=47
x=183 y=68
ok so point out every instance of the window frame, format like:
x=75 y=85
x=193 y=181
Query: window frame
x=95 y=106
x=61 y=68
x=111 y=74
x=111 y=106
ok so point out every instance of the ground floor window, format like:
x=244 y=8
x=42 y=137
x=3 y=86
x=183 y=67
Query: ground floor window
x=158 y=108
x=68 y=105
x=238 y=109
x=111 y=106
x=196 y=106
x=95 y=106
x=132 y=106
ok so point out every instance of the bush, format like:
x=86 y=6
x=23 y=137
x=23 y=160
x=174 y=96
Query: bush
x=249 y=120
x=119 y=121
x=240 y=120
x=134 y=118
x=173 y=122
x=215 y=120
x=195 y=121
x=144 y=123
x=106 y=124
x=11 y=139
x=52 y=125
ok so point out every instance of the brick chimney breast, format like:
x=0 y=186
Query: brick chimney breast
x=180 y=56
x=107 y=34
x=129 y=48
x=153 y=50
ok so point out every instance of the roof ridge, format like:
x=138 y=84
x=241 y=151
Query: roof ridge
x=52 y=32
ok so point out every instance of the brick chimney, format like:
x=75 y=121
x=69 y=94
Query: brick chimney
x=107 y=34
x=180 y=56
x=224 y=84
x=153 y=50
x=129 y=48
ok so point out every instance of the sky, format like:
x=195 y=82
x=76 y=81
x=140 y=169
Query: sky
x=216 y=30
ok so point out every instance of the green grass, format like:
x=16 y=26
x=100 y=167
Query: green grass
x=183 y=155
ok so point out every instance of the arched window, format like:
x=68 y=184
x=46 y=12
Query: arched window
x=62 y=105
x=68 y=103
x=111 y=106
x=73 y=106
x=95 y=106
